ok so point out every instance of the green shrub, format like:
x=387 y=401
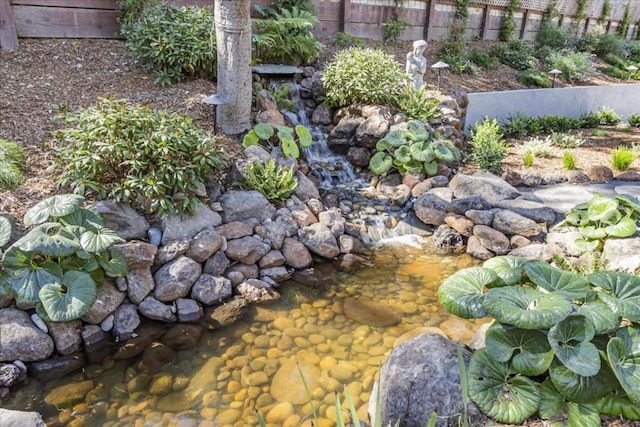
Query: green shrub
x=566 y=140
x=607 y=44
x=516 y=125
x=517 y=54
x=538 y=147
x=527 y=159
x=414 y=150
x=633 y=49
x=574 y=65
x=290 y=140
x=599 y=133
x=549 y=124
x=532 y=77
x=272 y=180
x=347 y=40
x=608 y=117
x=284 y=36
x=394 y=29
x=617 y=72
x=175 y=41
x=418 y=104
x=454 y=54
x=568 y=160
x=553 y=334
x=58 y=264
x=634 y=120
x=621 y=158
x=368 y=76
x=488 y=148
x=589 y=120
x=305 y=5
x=482 y=59
x=554 y=37
x=615 y=60
x=11 y=165
x=129 y=153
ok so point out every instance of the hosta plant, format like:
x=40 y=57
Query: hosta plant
x=414 y=150
x=561 y=345
x=289 y=139
x=60 y=262
x=603 y=217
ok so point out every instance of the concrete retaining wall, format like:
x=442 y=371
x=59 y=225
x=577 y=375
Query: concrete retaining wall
x=570 y=102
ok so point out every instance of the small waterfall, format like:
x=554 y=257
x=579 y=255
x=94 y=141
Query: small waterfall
x=379 y=219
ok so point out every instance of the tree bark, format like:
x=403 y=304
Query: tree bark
x=233 y=40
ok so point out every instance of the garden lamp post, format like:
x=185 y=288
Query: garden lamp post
x=631 y=69
x=439 y=66
x=554 y=73
x=215 y=100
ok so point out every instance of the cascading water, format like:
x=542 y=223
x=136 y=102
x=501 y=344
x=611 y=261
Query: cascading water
x=378 y=218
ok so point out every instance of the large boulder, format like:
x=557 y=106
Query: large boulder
x=622 y=254
x=122 y=219
x=11 y=418
x=20 y=339
x=319 y=239
x=176 y=227
x=174 y=280
x=483 y=184
x=511 y=223
x=243 y=205
x=421 y=376
x=430 y=209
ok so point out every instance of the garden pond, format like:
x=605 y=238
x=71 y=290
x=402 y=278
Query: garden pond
x=337 y=329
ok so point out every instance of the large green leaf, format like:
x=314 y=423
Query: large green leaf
x=603 y=318
x=626 y=227
x=443 y=152
x=99 y=240
x=591 y=232
x=462 y=293
x=114 y=265
x=528 y=350
x=602 y=209
x=509 y=268
x=289 y=147
x=621 y=292
x=582 y=415
x=382 y=145
x=304 y=136
x=49 y=239
x=69 y=299
x=552 y=279
x=571 y=341
x=618 y=404
x=430 y=168
x=263 y=131
x=630 y=203
x=417 y=132
x=396 y=138
x=82 y=218
x=422 y=151
x=499 y=391
x=624 y=357
x=402 y=154
x=380 y=163
x=27 y=279
x=584 y=245
x=251 y=138
x=53 y=207
x=5 y=231
x=526 y=308
x=551 y=401
x=581 y=389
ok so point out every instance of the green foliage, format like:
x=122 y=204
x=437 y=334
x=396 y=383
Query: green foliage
x=574 y=65
x=11 y=165
x=554 y=37
x=132 y=10
x=634 y=120
x=418 y=104
x=368 y=76
x=608 y=117
x=509 y=24
x=482 y=59
x=621 y=158
x=615 y=60
x=568 y=161
x=609 y=44
x=557 y=345
x=519 y=126
x=285 y=35
x=347 y=40
x=272 y=180
x=527 y=159
x=394 y=29
x=603 y=217
x=305 y=5
x=176 y=41
x=566 y=140
x=581 y=7
x=455 y=55
x=625 y=23
x=533 y=77
x=599 y=133
x=59 y=262
x=290 y=140
x=284 y=97
x=517 y=54
x=414 y=150
x=488 y=148
x=539 y=147
x=130 y=153
x=605 y=13
x=589 y=120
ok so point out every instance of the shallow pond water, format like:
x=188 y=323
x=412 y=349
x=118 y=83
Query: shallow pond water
x=337 y=334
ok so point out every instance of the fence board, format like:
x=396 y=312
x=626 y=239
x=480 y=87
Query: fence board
x=84 y=4
x=8 y=34
x=36 y=21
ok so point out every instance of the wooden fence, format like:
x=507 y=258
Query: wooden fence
x=428 y=19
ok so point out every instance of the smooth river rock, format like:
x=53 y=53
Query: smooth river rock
x=370 y=312
x=20 y=339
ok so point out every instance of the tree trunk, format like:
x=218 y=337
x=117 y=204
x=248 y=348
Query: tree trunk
x=233 y=40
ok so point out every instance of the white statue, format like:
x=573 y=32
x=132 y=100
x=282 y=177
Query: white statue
x=417 y=63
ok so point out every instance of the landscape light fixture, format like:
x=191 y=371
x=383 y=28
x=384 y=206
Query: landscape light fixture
x=554 y=73
x=631 y=69
x=439 y=66
x=215 y=100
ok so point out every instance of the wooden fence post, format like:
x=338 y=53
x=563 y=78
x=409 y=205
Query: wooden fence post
x=525 y=19
x=485 y=20
x=8 y=34
x=346 y=16
x=431 y=7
